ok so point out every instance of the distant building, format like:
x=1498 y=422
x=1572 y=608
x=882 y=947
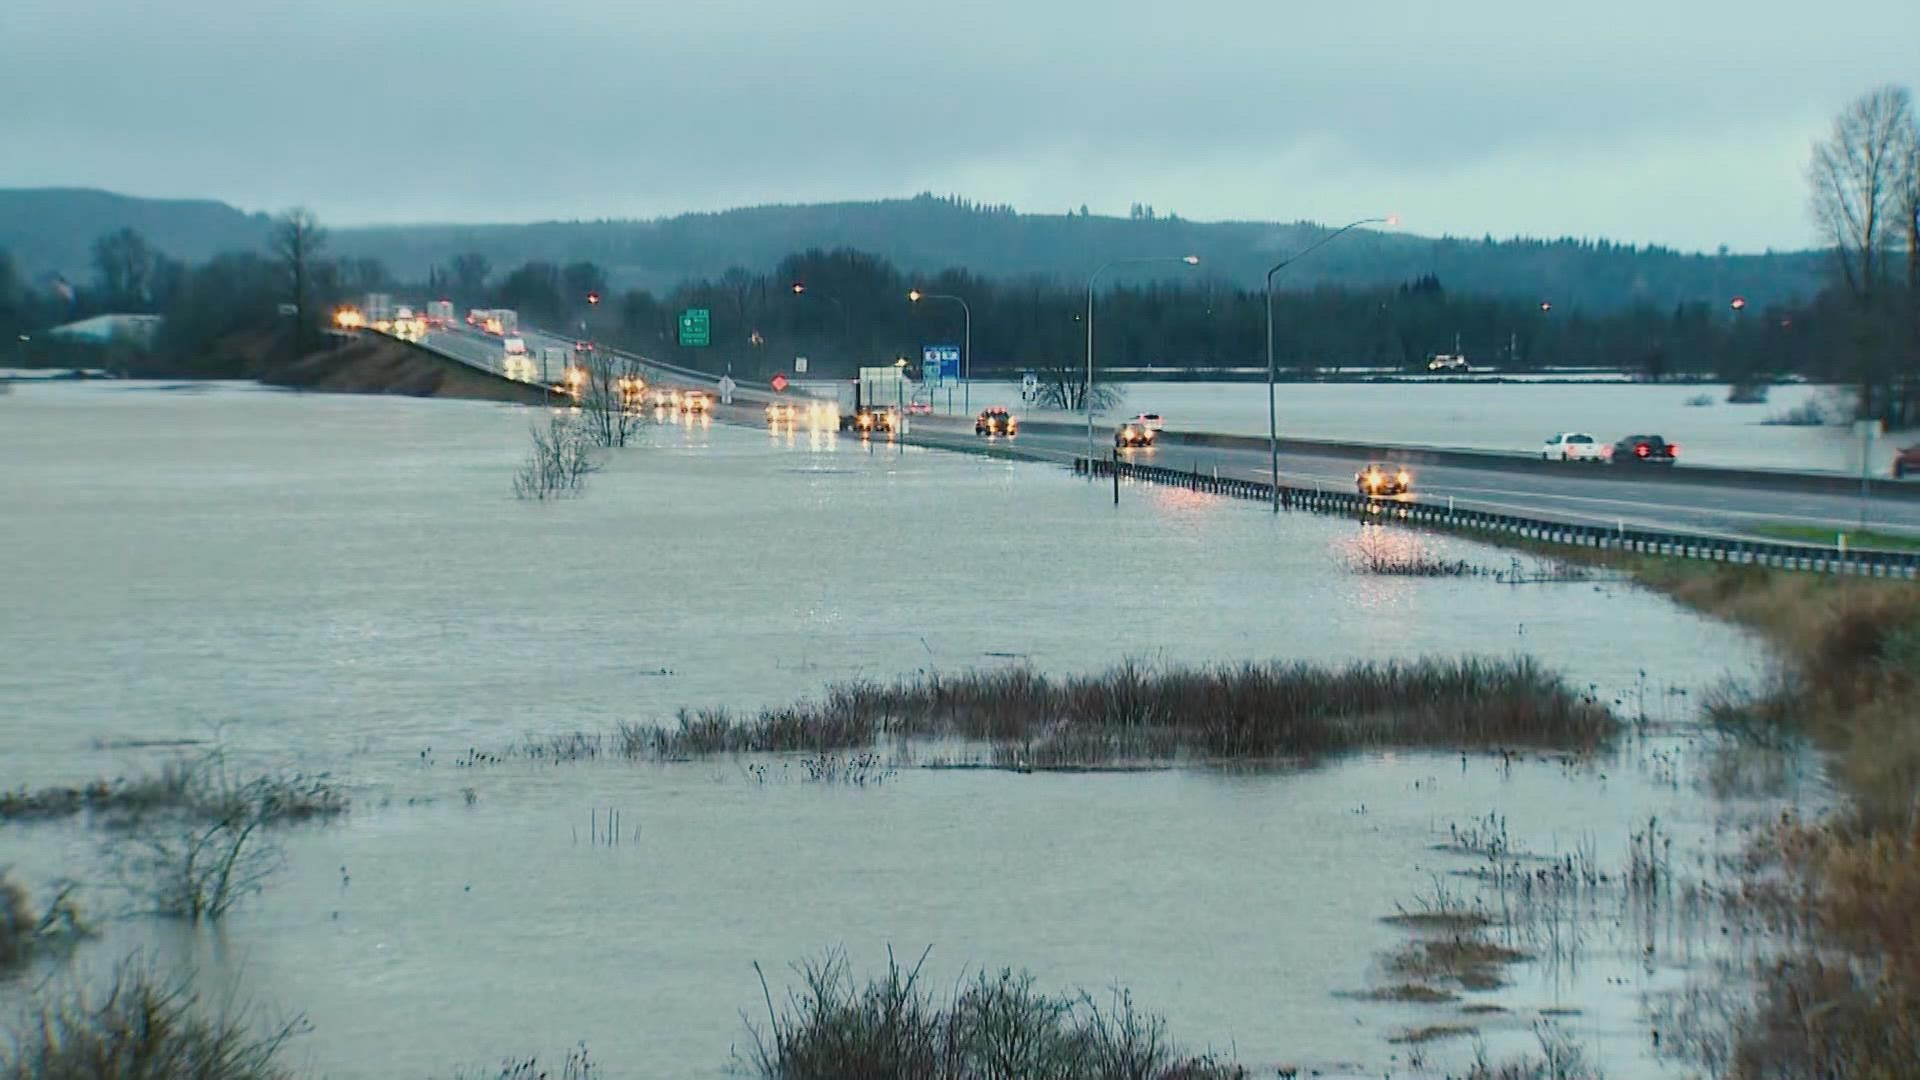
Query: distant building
x=108 y=329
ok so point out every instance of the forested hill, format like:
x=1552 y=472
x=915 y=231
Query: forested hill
x=53 y=229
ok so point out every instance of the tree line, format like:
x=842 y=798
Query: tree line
x=844 y=308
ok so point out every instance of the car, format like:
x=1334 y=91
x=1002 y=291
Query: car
x=695 y=401
x=996 y=420
x=873 y=421
x=1644 y=450
x=1906 y=463
x=1575 y=446
x=1130 y=435
x=1149 y=420
x=920 y=408
x=781 y=412
x=1379 y=478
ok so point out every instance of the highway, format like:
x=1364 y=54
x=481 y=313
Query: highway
x=1578 y=493
x=1587 y=494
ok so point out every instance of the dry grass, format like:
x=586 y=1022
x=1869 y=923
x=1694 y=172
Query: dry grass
x=1433 y=1033
x=24 y=932
x=1133 y=711
x=143 y=1028
x=194 y=787
x=1469 y=962
x=996 y=1026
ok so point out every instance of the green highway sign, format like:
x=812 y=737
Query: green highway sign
x=696 y=327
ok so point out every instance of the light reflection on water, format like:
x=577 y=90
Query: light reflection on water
x=345 y=583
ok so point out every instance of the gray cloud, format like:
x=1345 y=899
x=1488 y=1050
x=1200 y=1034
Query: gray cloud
x=1679 y=123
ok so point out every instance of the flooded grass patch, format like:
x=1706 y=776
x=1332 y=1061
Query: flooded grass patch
x=195 y=787
x=1133 y=712
x=25 y=933
x=1433 y=1033
x=1409 y=994
x=998 y=1025
x=1469 y=962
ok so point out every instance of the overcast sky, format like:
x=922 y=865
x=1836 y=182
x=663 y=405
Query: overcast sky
x=1682 y=122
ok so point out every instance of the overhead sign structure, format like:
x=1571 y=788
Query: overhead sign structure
x=696 y=327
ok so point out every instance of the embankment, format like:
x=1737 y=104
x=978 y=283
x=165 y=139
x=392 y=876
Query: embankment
x=371 y=364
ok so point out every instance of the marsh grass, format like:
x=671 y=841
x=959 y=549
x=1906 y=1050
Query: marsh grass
x=143 y=1028
x=1134 y=712
x=25 y=933
x=995 y=1026
x=197 y=787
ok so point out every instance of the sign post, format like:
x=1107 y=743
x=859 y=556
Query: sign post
x=696 y=328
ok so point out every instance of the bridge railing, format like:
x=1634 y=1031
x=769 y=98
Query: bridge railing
x=1686 y=545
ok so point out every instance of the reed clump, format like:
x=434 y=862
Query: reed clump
x=1246 y=711
x=997 y=1025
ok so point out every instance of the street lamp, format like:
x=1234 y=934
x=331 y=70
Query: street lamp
x=1087 y=396
x=846 y=324
x=966 y=347
x=1273 y=423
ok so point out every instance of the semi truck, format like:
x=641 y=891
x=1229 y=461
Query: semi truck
x=874 y=401
x=439 y=314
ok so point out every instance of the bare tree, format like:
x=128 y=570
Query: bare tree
x=1064 y=386
x=297 y=243
x=610 y=393
x=1859 y=174
x=470 y=272
x=1862 y=177
x=557 y=464
x=123 y=263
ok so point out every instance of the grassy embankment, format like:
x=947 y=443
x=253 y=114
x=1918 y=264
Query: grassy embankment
x=1844 y=1000
x=1860 y=539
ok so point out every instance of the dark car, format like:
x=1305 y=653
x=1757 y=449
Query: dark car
x=995 y=420
x=1379 y=479
x=1131 y=435
x=1645 y=450
x=1906 y=463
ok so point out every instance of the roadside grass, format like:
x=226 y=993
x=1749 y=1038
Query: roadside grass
x=1855 y=539
x=1842 y=997
x=1134 y=712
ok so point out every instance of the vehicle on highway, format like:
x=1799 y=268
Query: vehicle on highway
x=694 y=401
x=870 y=421
x=1149 y=420
x=920 y=408
x=1444 y=364
x=520 y=368
x=1644 y=450
x=1906 y=463
x=781 y=412
x=1575 y=446
x=1379 y=479
x=1131 y=435
x=996 y=420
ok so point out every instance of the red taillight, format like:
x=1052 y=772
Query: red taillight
x=1642 y=450
x=1672 y=450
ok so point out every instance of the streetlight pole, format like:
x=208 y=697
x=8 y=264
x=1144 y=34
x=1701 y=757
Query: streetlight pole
x=966 y=347
x=1273 y=421
x=846 y=324
x=1087 y=394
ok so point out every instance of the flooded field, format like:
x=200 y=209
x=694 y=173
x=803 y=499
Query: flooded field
x=346 y=585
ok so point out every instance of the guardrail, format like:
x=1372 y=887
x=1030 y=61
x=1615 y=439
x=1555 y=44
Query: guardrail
x=1732 y=550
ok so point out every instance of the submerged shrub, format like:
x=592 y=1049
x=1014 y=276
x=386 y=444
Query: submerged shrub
x=996 y=1027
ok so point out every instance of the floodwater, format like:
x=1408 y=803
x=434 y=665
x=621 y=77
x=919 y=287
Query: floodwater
x=1509 y=416
x=344 y=584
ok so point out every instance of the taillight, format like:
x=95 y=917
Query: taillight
x=1642 y=450
x=1672 y=450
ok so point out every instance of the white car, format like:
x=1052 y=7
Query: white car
x=1575 y=446
x=1148 y=420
